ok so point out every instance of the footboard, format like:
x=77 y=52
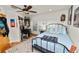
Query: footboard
x=40 y=46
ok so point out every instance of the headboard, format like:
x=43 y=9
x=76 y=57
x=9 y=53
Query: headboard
x=56 y=28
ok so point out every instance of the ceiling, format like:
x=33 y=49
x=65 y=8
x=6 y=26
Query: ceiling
x=38 y=8
x=45 y=8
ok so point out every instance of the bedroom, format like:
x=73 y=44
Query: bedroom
x=46 y=14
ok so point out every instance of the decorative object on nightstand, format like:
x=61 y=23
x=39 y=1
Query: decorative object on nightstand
x=42 y=28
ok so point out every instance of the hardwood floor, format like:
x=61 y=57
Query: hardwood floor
x=22 y=47
x=13 y=44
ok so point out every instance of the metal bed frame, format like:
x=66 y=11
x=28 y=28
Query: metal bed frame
x=45 y=50
x=58 y=25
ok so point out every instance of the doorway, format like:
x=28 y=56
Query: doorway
x=25 y=29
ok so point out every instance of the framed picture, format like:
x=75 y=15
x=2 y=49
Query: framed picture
x=70 y=15
x=63 y=16
x=12 y=22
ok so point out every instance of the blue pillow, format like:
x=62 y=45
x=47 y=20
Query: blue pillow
x=2 y=25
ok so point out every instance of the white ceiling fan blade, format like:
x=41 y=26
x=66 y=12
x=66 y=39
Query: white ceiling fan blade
x=15 y=7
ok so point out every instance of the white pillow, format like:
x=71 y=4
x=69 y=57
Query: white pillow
x=52 y=28
x=64 y=30
x=61 y=29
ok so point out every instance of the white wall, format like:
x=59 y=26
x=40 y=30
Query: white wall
x=14 y=34
x=49 y=17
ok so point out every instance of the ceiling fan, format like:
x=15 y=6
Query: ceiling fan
x=26 y=9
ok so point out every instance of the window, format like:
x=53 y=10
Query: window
x=70 y=15
x=76 y=18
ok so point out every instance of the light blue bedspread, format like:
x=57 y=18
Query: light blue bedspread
x=59 y=31
x=63 y=39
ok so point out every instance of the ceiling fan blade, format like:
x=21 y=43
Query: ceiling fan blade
x=33 y=11
x=25 y=12
x=19 y=11
x=13 y=6
x=28 y=8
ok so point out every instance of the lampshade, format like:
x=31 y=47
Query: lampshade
x=2 y=14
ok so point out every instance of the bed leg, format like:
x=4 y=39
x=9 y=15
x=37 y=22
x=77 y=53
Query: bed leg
x=41 y=43
x=47 y=46
x=32 y=48
x=32 y=45
x=64 y=50
x=54 y=47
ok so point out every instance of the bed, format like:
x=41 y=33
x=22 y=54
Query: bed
x=54 y=40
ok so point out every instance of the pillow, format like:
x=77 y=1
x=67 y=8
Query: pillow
x=64 y=30
x=52 y=28
x=45 y=37
x=52 y=39
x=61 y=29
x=55 y=28
x=49 y=29
x=55 y=39
x=72 y=49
